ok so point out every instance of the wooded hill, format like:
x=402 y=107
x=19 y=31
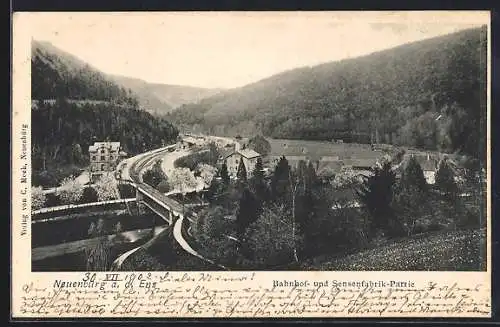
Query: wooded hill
x=430 y=94
x=56 y=74
x=160 y=99
x=85 y=107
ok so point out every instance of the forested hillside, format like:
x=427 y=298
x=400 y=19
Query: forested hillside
x=58 y=74
x=162 y=98
x=85 y=107
x=429 y=94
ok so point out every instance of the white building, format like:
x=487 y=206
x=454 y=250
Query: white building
x=248 y=156
x=104 y=157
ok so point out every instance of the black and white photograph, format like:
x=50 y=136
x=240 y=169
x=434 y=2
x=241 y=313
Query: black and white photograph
x=235 y=141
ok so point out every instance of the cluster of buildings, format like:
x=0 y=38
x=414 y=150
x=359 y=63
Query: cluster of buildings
x=328 y=158
x=430 y=165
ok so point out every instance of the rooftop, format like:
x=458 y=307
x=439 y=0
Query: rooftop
x=109 y=145
x=190 y=139
x=247 y=153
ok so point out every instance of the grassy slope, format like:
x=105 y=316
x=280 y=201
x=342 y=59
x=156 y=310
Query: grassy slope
x=463 y=250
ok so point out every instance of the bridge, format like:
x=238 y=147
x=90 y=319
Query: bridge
x=159 y=203
x=167 y=208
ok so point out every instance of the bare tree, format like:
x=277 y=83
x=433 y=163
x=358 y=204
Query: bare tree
x=295 y=182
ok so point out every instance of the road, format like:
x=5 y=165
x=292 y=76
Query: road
x=169 y=158
x=132 y=171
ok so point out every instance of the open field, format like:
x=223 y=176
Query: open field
x=463 y=250
x=322 y=148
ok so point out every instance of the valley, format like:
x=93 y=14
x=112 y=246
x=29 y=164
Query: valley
x=333 y=166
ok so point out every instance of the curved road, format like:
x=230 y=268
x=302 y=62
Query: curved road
x=134 y=172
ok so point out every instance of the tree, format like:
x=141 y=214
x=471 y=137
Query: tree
x=302 y=184
x=411 y=197
x=211 y=230
x=213 y=153
x=445 y=181
x=280 y=181
x=376 y=193
x=300 y=201
x=241 y=174
x=312 y=177
x=70 y=191
x=155 y=175
x=207 y=172
x=215 y=190
x=248 y=211
x=224 y=174
x=259 y=144
x=126 y=191
x=270 y=237
x=183 y=180
x=333 y=226
x=89 y=195
x=414 y=176
x=344 y=179
x=163 y=186
x=404 y=206
x=107 y=188
x=151 y=178
x=52 y=200
x=38 y=198
x=258 y=183
x=62 y=126
x=452 y=205
x=98 y=253
x=77 y=154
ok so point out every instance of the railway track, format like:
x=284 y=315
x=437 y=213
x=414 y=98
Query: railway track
x=136 y=167
x=135 y=171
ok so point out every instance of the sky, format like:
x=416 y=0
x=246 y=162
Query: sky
x=232 y=49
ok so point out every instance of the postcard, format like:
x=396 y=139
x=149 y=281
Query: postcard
x=251 y=164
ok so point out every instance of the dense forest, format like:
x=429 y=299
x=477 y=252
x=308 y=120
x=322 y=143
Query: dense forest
x=85 y=107
x=57 y=74
x=63 y=132
x=429 y=94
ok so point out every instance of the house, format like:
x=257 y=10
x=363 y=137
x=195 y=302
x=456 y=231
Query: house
x=429 y=167
x=248 y=156
x=428 y=164
x=104 y=157
x=224 y=153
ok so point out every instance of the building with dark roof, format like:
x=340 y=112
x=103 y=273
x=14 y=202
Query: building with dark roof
x=248 y=156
